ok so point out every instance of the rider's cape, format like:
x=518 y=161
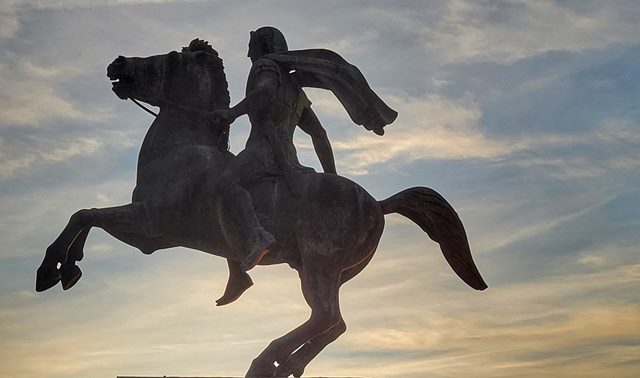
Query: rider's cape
x=321 y=68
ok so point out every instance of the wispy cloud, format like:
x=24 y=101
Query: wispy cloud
x=13 y=162
x=549 y=202
x=29 y=95
x=507 y=31
x=441 y=128
x=8 y=22
x=17 y=157
x=70 y=4
x=534 y=332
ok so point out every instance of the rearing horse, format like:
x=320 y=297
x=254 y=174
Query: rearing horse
x=328 y=235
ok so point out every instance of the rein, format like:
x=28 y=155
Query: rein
x=143 y=107
x=188 y=109
x=175 y=104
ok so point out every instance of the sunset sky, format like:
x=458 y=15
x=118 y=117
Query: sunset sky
x=524 y=115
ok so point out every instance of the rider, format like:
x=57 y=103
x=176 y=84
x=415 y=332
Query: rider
x=275 y=104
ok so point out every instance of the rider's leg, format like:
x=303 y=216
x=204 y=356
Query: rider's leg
x=243 y=169
x=258 y=239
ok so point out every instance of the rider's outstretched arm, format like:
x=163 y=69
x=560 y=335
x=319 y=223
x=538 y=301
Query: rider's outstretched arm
x=259 y=97
x=311 y=125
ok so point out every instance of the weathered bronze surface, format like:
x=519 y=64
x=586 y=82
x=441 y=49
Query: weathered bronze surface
x=262 y=206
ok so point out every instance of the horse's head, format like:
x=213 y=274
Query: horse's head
x=193 y=78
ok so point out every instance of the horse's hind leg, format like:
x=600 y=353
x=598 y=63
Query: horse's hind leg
x=320 y=286
x=132 y=218
x=299 y=360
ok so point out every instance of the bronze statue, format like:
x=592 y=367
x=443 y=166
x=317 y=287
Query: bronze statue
x=275 y=104
x=324 y=226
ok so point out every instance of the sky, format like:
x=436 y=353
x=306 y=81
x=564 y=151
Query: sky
x=524 y=115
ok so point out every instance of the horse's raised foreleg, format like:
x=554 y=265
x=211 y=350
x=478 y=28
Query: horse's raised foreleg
x=76 y=249
x=320 y=286
x=69 y=272
x=67 y=248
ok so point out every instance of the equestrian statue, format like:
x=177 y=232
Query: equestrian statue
x=262 y=206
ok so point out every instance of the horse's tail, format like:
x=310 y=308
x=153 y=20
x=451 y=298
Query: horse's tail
x=438 y=219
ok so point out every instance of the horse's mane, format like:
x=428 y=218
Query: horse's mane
x=200 y=45
x=220 y=92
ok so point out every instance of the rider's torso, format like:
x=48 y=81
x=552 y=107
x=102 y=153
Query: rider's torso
x=281 y=116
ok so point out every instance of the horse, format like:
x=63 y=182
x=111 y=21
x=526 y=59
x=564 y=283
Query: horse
x=328 y=234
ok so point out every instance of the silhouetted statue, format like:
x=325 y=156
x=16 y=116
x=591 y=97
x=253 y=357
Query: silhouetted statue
x=276 y=104
x=323 y=225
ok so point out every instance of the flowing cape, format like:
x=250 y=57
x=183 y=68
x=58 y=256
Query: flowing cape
x=321 y=68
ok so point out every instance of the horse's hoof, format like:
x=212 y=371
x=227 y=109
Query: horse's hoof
x=291 y=367
x=70 y=274
x=46 y=278
x=261 y=369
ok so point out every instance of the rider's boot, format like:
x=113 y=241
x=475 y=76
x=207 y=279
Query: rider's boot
x=259 y=244
x=239 y=281
x=258 y=241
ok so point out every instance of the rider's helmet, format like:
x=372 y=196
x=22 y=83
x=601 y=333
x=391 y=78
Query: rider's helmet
x=266 y=40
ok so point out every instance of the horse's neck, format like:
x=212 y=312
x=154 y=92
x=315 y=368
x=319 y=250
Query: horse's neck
x=178 y=127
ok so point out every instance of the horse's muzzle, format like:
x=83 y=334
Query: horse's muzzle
x=122 y=83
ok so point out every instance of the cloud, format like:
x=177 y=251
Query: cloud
x=8 y=22
x=439 y=128
x=18 y=156
x=29 y=96
x=35 y=215
x=148 y=310
x=434 y=127
x=407 y=313
x=612 y=147
x=32 y=103
x=458 y=31
x=71 y=4
x=13 y=161
x=505 y=32
x=543 y=326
